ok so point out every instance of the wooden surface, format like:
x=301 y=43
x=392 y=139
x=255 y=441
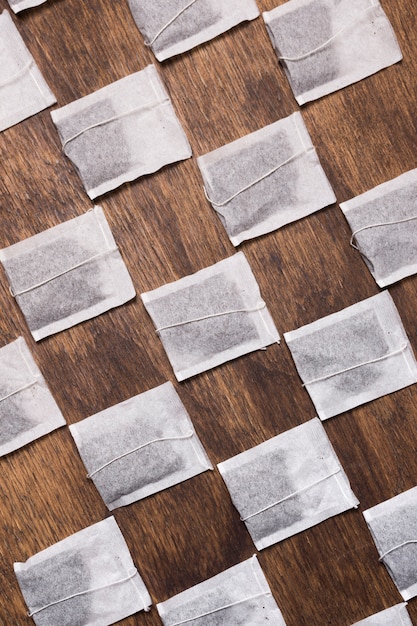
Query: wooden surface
x=364 y=135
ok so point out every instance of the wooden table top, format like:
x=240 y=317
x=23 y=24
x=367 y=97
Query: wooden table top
x=365 y=134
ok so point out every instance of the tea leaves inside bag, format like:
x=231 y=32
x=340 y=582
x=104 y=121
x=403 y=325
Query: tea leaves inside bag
x=394 y=616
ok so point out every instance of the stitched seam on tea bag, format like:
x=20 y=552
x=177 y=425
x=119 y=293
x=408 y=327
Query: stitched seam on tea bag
x=401 y=545
x=17 y=75
x=407 y=219
x=326 y=43
x=145 y=107
x=70 y=269
x=226 y=606
x=291 y=495
x=258 y=180
x=353 y=367
x=255 y=574
x=82 y=593
x=13 y=393
x=143 y=445
x=260 y=306
x=168 y=24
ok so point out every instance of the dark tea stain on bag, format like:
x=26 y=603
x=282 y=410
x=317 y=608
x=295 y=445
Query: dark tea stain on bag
x=60 y=576
x=101 y=153
x=190 y=343
x=263 y=199
x=14 y=419
x=144 y=467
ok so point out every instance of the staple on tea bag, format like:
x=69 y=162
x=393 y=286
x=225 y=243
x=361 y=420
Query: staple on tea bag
x=384 y=228
x=27 y=409
x=67 y=274
x=353 y=356
x=238 y=595
x=325 y=45
x=88 y=578
x=265 y=180
x=173 y=27
x=122 y=131
x=393 y=525
x=394 y=616
x=140 y=446
x=20 y=5
x=23 y=90
x=287 y=484
x=211 y=317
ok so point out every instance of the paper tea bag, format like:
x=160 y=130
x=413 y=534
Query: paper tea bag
x=20 y=5
x=239 y=595
x=87 y=579
x=140 y=446
x=265 y=180
x=287 y=484
x=393 y=525
x=353 y=356
x=23 y=90
x=211 y=317
x=175 y=26
x=27 y=408
x=325 y=45
x=384 y=228
x=67 y=274
x=395 y=616
x=122 y=131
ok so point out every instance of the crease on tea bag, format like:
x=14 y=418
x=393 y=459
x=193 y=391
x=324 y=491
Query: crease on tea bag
x=211 y=317
x=325 y=45
x=353 y=356
x=177 y=26
x=238 y=595
x=384 y=228
x=139 y=447
x=20 y=5
x=393 y=525
x=121 y=132
x=67 y=274
x=265 y=180
x=27 y=409
x=88 y=578
x=23 y=90
x=396 y=615
x=287 y=484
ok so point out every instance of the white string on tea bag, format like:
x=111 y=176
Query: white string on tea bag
x=393 y=525
x=353 y=356
x=27 y=409
x=325 y=45
x=67 y=274
x=265 y=180
x=121 y=132
x=396 y=615
x=87 y=578
x=384 y=228
x=287 y=484
x=239 y=593
x=211 y=317
x=23 y=90
x=180 y=25
x=139 y=447
x=20 y=5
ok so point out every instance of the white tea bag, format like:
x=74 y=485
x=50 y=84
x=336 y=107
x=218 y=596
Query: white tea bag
x=140 y=446
x=287 y=484
x=87 y=579
x=23 y=90
x=122 y=131
x=171 y=27
x=394 y=616
x=27 y=409
x=325 y=45
x=211 y=317
x=393 y=525
x=353 y=356
x=266 y=179
x=384 y=228
x=239 y=595
x=20 y=5
x=67 y=274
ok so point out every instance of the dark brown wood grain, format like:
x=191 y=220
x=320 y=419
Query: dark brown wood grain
x=233 y=85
